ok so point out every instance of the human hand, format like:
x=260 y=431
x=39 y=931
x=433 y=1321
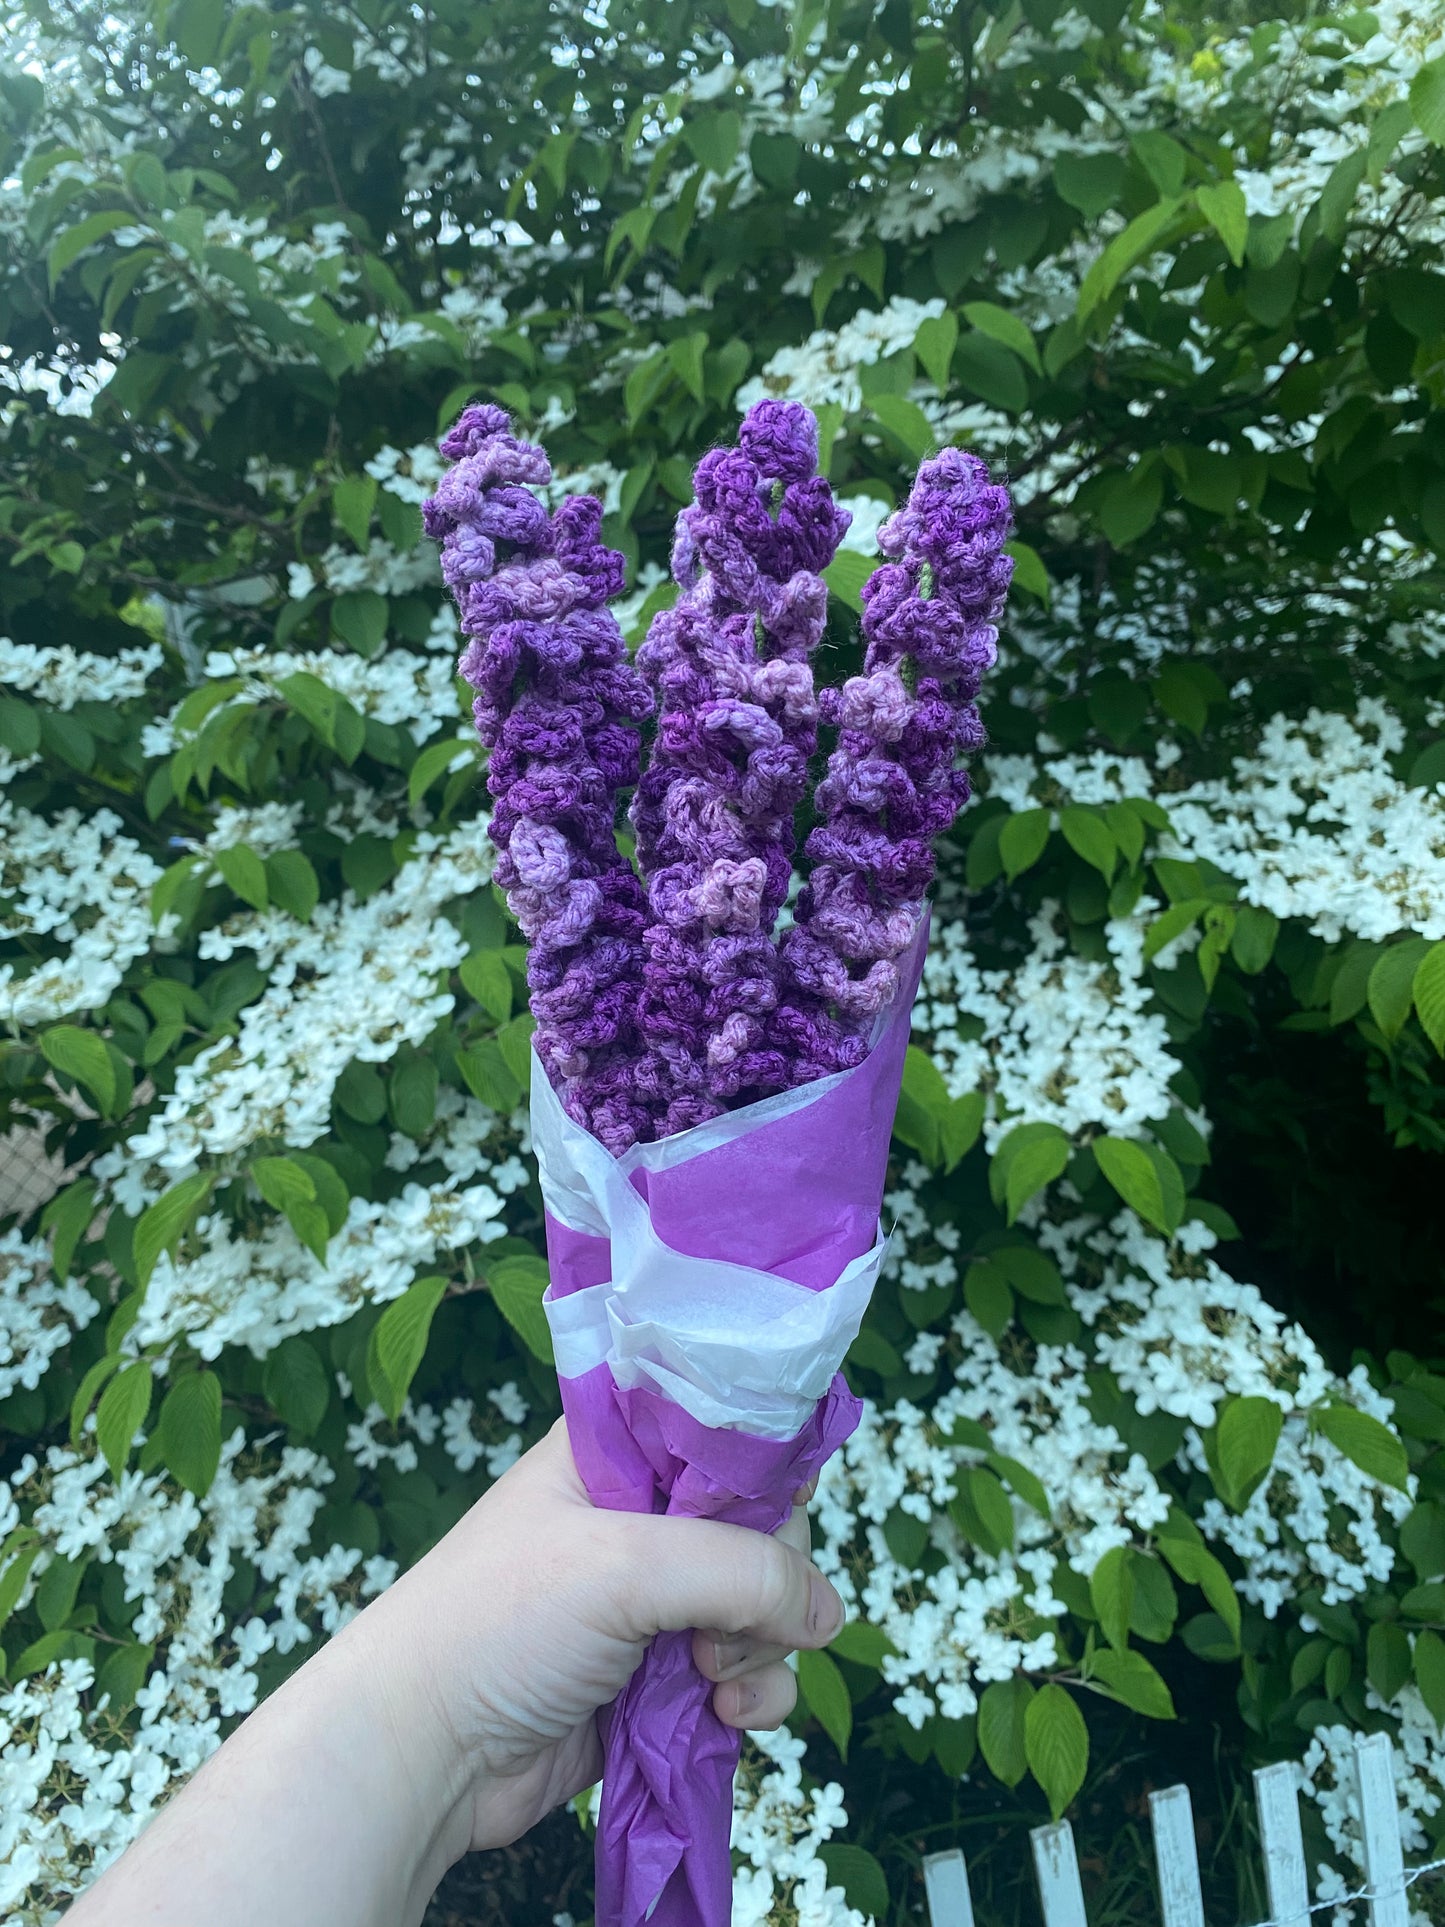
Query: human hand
x=501 y=1645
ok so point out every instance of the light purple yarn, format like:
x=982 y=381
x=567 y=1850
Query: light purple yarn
x=558 y=705
x=892 y=784
x=737 y=723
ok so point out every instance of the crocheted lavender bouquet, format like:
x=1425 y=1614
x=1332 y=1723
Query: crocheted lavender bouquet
x=712 y=1100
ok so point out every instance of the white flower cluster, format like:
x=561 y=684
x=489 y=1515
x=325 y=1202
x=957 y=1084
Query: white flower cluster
x=1057 y=1040
x=826 y=368
x=75 y=1785
x=1317 y=825
x=1181 y=1337
x=39 y=1314
x=62 y=676
x=82 y=886
x=778 y=1827
x=359 y=981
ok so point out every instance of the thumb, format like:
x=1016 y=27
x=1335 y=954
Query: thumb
x=699 y=1572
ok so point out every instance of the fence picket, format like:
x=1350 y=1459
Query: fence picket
x=1057 y=1867
x=945 y=1881
x=1380 y=1830
x=1286 y=1877
x=1177 y=1857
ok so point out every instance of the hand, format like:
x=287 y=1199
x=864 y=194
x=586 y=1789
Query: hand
x=535 y=1611
x=461 y=1706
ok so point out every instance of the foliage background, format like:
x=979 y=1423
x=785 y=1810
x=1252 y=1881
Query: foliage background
x=1150 y=1486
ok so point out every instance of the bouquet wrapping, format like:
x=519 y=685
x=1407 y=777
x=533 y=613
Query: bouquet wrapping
x=705 y=1289
x=712 y=1101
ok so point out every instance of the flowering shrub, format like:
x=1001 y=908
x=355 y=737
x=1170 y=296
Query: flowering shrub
x=1153 y=1427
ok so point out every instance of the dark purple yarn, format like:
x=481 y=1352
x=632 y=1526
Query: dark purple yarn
x=558 y=704
x=893 y=783
x=737 y=723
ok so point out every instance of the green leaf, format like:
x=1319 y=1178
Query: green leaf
x=1088 y=836
x=20 y=1555
x=1146 y=1178
x=412 y=1094
x=82 y=1055
x=1111 y=1593
x=992 y=1505
x=1124 y=252
x=1006 y=328
x=906 y=422
x=1392 y=982
x=1057 y=1745
x=825 y=1693
x=988 y=1297
x=190 y=1430
x=1029 y=571
x=991 y=371
x=398 y=1343
x=486 y=978
x=846 y=574
x=245 y=873
x=1255 y=934
x=1429 y=994
x=1429 y=1663
x=1021 y=841
x=1365 y=1442
x=162 y=1225
x=517 y=1285
x=283 y=1183
x=1197 y=1566
x=714 y=139
x=1031 y=1156
x=864 y=1644
x=487 y=1076
x=72 y=243
x=19 y=727
x=1134 y=1682
x=1003 y=1713
x=123 y=1674
x=432 y=762
x=934 y=344
x=1222 y=204
x=1427 y=100
x=854 y=1869
x=296 y=1385
x=352 y=501
x=685 y=356
x=1172 y=923
x=55 y=1595
x=515 y=1043
x=68 y=1216
x=1245 y=1442
x=291 y=884
x=122 y=1411
x=1092 y=183
x=85 y=1393
x=1387 y=1658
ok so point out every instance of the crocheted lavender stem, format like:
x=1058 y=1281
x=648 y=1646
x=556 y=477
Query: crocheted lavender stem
x=738 y=720
x=892 y=785
x=557 y=705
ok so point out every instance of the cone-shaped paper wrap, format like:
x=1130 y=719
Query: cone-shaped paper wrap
x=704 y=1291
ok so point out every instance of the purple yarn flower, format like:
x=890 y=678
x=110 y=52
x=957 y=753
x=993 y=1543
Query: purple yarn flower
x=892 y=783
x=738 y=719
x=558 y=704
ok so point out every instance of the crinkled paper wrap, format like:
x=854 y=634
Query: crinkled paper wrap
x=704 y=1292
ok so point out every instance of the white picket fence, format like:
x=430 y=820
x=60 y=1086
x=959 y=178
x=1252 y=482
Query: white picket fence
x=1181 y=1900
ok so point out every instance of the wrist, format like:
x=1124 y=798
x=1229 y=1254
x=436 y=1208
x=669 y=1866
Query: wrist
x=406 y=1743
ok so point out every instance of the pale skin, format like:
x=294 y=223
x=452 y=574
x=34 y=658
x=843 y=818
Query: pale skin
x=461 y=1706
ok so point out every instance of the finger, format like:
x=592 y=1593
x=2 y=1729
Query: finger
x=681 y=1573
x=796 y=1531
x=758 y=1700
x=718 y=1657
x=805 y=1493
